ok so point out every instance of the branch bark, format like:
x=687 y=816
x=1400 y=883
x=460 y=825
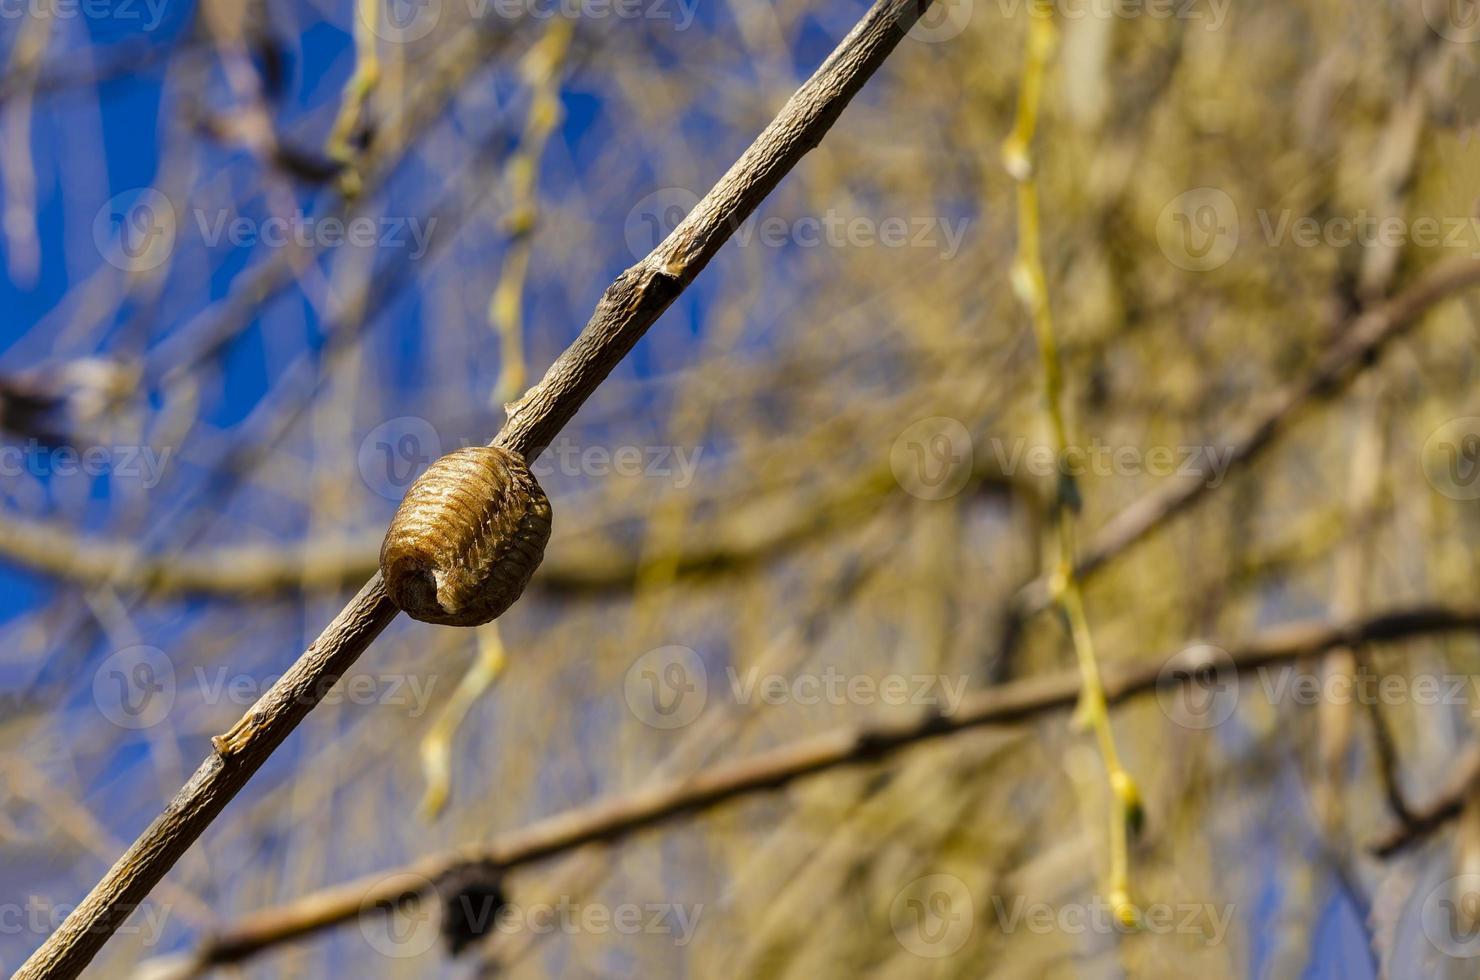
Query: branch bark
x=626 y=310
x=620 y=816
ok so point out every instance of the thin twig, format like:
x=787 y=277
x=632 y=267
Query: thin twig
x=1450 y=803
x=627 y=309
x=1362 y=339
x=1387 y=758
x=619 y=816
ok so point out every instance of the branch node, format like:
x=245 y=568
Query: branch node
x=235 y=741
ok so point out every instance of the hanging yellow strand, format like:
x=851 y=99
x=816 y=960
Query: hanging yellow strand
x=541 y=69
x=362 y=82
x=1031 y=288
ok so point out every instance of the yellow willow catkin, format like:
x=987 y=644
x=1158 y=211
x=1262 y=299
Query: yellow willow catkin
x=541 y=69
x=362 y=82
x=1031 y=288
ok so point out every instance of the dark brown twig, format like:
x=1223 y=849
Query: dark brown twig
x=1443 y=808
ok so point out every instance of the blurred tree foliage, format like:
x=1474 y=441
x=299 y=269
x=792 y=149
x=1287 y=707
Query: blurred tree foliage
x=735 y=489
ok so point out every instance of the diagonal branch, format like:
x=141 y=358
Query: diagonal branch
x=620 y=816
x=1419 y=823
x=1362 y=341
x=626 y=310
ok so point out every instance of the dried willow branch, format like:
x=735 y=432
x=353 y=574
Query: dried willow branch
x=626 y=310
x=619 y=816
x=1363 y=338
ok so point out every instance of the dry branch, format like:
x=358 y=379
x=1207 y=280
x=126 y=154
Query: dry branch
x=626 y=310
x=619 y=816
x=1419 y=823
x=1362 y=340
